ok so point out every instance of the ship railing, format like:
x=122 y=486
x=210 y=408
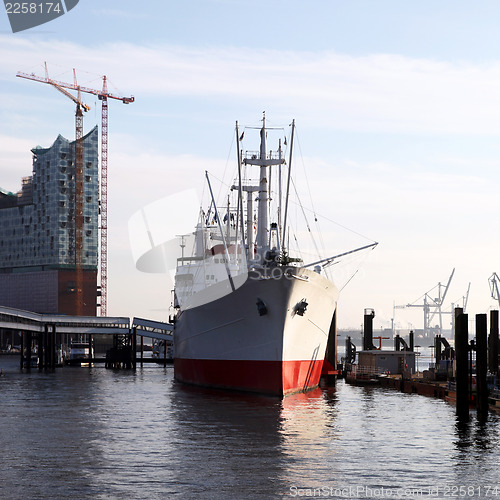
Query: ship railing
x=255 y=155
x=366 y=370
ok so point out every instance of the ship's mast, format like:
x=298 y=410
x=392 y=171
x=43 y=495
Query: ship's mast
x=263 y=161
x=288 y=186
x=263 y=205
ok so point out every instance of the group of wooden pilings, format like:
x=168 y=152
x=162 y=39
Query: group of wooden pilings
x=486 y=358
x=46 y=348
x=123 y=354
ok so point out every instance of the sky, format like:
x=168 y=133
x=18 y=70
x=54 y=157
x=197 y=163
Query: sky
x=397 y=106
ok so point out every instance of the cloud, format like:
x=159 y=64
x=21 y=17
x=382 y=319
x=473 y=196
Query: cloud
x=379 y=92
x=119 y=14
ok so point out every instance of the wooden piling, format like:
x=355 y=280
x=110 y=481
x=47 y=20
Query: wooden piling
x=142 y=350
x=90 y=350
x=368 y=330
x=54 y=357
x=481 y=366
x=28 y=350
x=493 y=343
x=134 y=348
x=46 y=344
x=47 y=347
x=437 y=350
x=41 y=350
x=462 y=363
x=22 y=349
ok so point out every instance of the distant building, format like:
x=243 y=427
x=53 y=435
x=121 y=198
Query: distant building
x=37 y=232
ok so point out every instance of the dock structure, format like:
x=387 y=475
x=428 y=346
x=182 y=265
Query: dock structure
x=155 y=330
x=43 y=329
x=465 y=375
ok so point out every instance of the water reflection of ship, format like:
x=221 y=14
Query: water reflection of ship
x=250 y=441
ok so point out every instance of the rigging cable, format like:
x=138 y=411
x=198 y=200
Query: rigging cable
x=320 y=234
x=307 y=222
x=225 y=167
x=348 y=281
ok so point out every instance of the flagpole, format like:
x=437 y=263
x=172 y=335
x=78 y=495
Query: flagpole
x=240 y=189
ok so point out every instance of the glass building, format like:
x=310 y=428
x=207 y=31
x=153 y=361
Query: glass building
x=38 y=234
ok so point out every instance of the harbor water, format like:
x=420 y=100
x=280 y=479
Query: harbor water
x=105 y=434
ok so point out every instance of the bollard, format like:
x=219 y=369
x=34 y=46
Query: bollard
x=397 y=342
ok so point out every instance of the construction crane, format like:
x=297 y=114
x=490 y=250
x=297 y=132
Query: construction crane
x=78 y=221
x=432 y=303
x=103 y=96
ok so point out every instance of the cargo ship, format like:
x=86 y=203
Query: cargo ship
x=250 y=317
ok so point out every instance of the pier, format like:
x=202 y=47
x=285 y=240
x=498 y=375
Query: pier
x=41 y=334
x=465 y=375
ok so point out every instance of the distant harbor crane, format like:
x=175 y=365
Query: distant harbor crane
x=432 y=306
x=493 y=281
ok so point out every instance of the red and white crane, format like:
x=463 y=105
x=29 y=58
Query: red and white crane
x=103 y=96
